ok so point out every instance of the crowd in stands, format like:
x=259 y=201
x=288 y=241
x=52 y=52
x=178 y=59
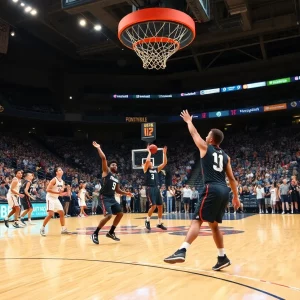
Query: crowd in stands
x=268 y=157
x=257 y=159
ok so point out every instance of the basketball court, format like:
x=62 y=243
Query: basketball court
x=263 y=250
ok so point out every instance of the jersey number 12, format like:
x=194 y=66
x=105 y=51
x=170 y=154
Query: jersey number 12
x=218 y=162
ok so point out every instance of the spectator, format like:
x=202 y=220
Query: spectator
x=3 y=191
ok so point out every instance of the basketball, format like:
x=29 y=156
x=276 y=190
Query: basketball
x=153 y=149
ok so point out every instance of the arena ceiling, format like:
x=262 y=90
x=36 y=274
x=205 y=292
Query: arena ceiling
x=239 y=31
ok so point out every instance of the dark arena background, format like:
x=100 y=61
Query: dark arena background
x=68 y=77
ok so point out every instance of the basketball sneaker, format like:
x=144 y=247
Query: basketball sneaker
x=17 y=225
x=223 y=262
x=6 y=223
x=94 y=238
x=147 y=225
x=112 y=236
x=161 y=226
x=177 y=257
x=42 y=231
x=65 y=231
x=23 y=222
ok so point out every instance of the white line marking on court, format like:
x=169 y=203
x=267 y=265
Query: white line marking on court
x=213 y=274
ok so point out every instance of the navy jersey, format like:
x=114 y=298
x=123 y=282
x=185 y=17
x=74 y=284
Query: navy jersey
x=23 y=186
x=109 y=185
x=267 y=191
x=151 y=177
x=213 y=165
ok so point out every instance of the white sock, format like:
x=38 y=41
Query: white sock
x=221 y=252
x=159 y=221
x=63 y=227
x=185 y=246
x=148 y=219
x=29 y=220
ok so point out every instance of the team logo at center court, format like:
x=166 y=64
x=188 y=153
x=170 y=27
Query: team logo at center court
x=175 y=230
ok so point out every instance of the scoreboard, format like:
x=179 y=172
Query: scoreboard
x=148 y=132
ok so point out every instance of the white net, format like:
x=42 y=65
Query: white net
x=156 y=41
x=139 y=157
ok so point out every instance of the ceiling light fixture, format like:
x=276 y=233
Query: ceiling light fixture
x=97 y=27
x=82 y=22
x=34 y=12
x=22 y=4
x=15 y=1
x=12 y=33
x=28 y=9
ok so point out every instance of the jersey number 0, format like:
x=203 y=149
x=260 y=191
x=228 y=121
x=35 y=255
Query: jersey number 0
x=218 y=162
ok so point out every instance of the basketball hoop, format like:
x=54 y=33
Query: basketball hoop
x=155 y=34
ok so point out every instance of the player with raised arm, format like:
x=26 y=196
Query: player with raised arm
x=214 y=198
x=152 y=189
x=55 y=189
x=12 y=199
x=109 y=204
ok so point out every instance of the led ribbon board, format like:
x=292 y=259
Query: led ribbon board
x=74 y=3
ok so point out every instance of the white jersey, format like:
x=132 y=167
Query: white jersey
x=58 y=187
x=273 y=194
x=82 y=194
x=17 y=188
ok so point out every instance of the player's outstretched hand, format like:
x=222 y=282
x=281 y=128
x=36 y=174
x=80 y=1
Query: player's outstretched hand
x=165 y=149
x=236 y=203
x=21 y=195
x=96 y=145
x=148 y=148
x=186 y=116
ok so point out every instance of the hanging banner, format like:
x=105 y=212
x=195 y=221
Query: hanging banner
x=4 y=37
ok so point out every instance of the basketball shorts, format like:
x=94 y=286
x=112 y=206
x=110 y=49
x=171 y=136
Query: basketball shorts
x=268 y=201
x=186 y=200
x=12 y=200
x=294 y=197
x=26 y=203
x=110 y=206
x=212 y=203
x=261 y=201
x=153 y=195
x=53 y=204
x=285 y=199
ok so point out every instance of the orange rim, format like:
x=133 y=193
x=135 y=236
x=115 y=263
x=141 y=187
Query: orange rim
x=156 y=40
x=156 y=14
